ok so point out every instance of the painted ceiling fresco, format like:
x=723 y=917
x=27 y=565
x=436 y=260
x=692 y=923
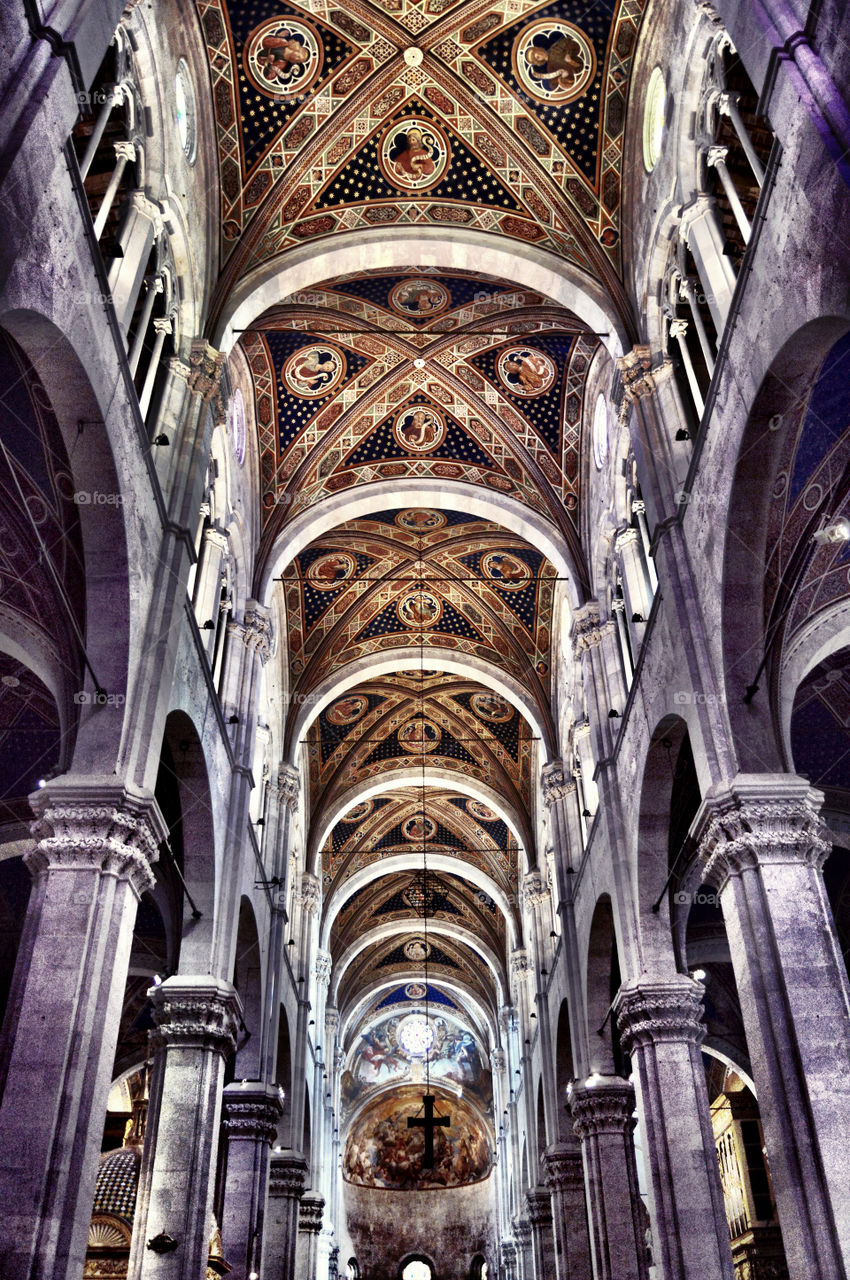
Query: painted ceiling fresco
x=425 y=374
x=335 y=115
x=401 y=822
x=820 y=724
x=384 y=1151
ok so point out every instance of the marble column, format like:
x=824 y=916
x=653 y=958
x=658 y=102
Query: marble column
x=701 y=230
x=197 y=1018
x=509 y=1259
x=658 y=415
x=602 y=1110
x=251 y=1112
x=661 y=1029
x=564 y=1175
x=309 y=900
x=539 y=1208
x=596 y=650
x=96 y=842
x=287 y=1181
x=762 y=846
x=310 y=1214
x=525 y=1258
x=143 y=224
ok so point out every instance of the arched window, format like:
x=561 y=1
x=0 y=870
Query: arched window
x=418 y=1269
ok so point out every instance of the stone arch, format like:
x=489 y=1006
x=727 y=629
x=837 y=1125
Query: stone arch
x=775 y=410
x=391 y=660
x=248 y=981
x=103 y=531
x=439 y=928
x=565 y=1072
x=283 y=1076
x=390 y=247
x=191 y=839
x=338 y=894
x=469 y=1001
x=411 y=777
x=601 y=984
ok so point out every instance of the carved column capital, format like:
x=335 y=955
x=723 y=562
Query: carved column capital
x=331 y=1022
x=588 y=629
x=563 y=1168
x=254 y=630
x=498 y=1060
x=96 y=824
x=539 y=1203
x=204 y=378
x=311 y=1212
x=508 y=1251
x=556 y=783
x=287 y=1176
x=324 y=964
x=311 y=892
x=634 y=368
x=251 y=1112
x=288 y=785
x=521 y=966
x=522 y=1231
x=125 y=151
x=757 y=820
x=603 y=1104
x=650 y=1013
x=535 y=890
x=196 y=1013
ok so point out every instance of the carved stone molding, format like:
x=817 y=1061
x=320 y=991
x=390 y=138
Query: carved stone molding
x=311 y=1211
x=196 y=1013
x=311 y=893
x=563 y=1168
x=634 y=368
x=254 y=630
x=535 y=890
x=606 y=1106
x=521 y=966
x=555 y=782
x=97 y=825
x=498 y=1060
x=650 y=1013
x=522 y=1231
x=287 y=1176
x=204 y=378
x=251 y=1112
x=539 y=1202
x=331 y=1022
x=508 y=1251
x=588 y=630
x=757 y=820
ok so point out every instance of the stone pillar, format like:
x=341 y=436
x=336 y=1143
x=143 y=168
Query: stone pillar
x=143 y=223
x=716 y=159
x=565 y=1178
x=525 y=1259
x=701 y=230
x=251 y=1113
x=125 y=152
x=539 y=1202
x=762 y=845
x=663 y=463
x=602 y=1110
x=595 y=648
x=310 y=896
x=310 y=1214
x=509 y=1259
x=97 y=841
x=287 y=1180
x=661 y=1029
x=197 y=1019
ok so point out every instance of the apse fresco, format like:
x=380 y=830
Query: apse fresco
x=382 y=1151
x=389 y=1050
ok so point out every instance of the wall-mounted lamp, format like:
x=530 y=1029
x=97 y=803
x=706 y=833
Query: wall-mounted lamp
x=161 y=440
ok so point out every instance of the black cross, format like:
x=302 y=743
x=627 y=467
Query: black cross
x=428 y=1123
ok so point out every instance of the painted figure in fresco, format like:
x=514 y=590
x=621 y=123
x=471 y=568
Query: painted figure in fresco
x=282 y=57
x=419 y=429
x=507 y=568
x=332 y=568
x=419 y=610
x=423 y=297
x=414 y=159
x=312 y=373
x=418 y=735
x=561 y=64
x=532 y=370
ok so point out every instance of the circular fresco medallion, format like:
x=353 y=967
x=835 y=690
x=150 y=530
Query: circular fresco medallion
x=418 y=737
x=347 y=710
x=553 y=61
x=283 y=58
x=417 y=949
x=420 y=429
x=419 y=610
x=480 y=811
x=414 y=154
x=492 y=708
x=420 y=297
x=330 y=571
x=314 y=371
x=505 y=570
x=360 y=811
x=419 y=828
x=525 y=371
x=415 y=991
x=416 y=520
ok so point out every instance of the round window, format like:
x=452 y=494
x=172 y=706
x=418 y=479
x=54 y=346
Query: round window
x=653 y=119
x=184 y=111
x=416 y=1035
x=600 y=432
x=237 y=425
